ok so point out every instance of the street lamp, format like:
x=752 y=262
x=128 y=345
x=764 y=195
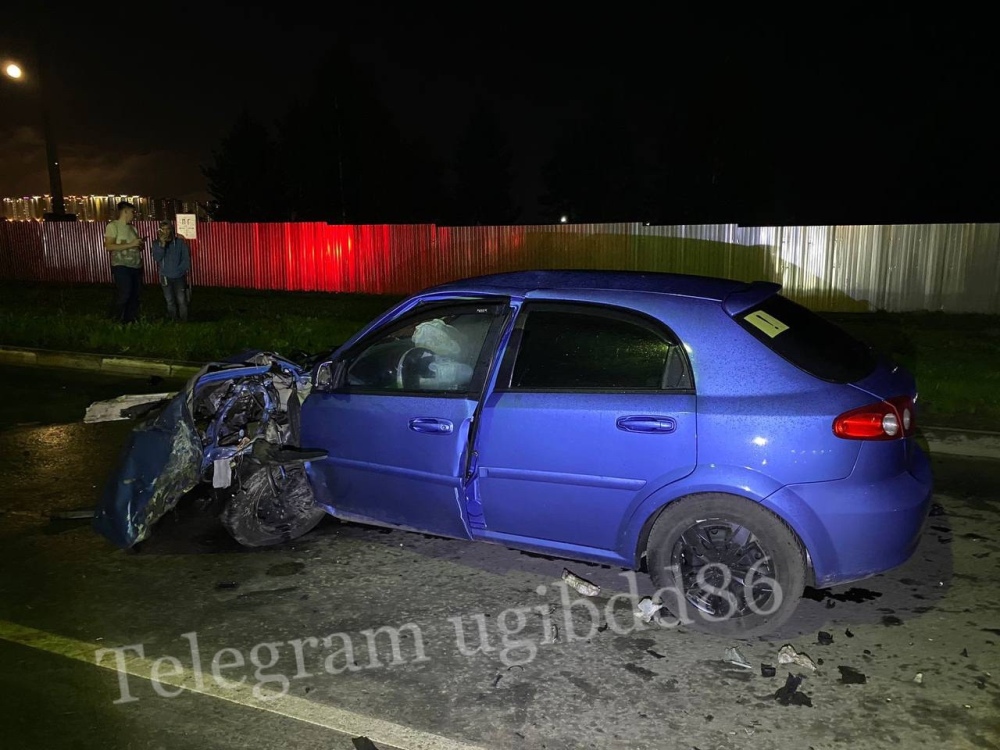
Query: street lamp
x=14 y=71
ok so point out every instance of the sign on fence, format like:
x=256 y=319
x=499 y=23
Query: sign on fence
x=187 y=226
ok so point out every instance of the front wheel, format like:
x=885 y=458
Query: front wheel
x=726 y=565
x=273 y=504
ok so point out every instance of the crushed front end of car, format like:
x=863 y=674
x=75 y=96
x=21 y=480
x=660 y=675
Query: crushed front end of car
x=235 y=427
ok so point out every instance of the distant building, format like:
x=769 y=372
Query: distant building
x=101 y=207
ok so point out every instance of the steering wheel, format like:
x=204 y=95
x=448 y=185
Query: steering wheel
x=411 y=366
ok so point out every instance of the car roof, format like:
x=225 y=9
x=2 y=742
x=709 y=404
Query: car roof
x=685 y=285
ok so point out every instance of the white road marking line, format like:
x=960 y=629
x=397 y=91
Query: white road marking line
x=300 y=709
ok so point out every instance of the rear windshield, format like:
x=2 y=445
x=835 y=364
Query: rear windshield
x=808 y=341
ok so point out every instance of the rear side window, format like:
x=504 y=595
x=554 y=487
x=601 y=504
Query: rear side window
x=808 y=341
x=596 y=350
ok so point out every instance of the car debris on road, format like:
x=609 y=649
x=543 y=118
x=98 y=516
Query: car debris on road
x=584 y=587
x=123 y=407
x=72 y=515
x=737 y=659
x=851 y=676
x=646 y=610
x=788 y=655
x=788 y=694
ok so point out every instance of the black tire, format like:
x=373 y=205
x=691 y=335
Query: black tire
x=271 y=506
x=713 y=533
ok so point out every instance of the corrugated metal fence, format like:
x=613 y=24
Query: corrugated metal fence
x=951 y=267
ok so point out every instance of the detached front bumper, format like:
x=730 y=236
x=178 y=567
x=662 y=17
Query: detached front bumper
x=866 y=524
x=161 y=463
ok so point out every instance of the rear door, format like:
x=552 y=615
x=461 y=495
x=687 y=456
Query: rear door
x=397 y=426
x=594 y=407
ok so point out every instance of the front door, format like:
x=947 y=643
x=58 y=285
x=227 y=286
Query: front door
x=397 y=427
x=594 y=407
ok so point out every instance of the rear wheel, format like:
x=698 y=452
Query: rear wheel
x=726 y=565
x=273 y=504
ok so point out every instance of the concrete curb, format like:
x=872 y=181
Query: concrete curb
x=940 y=440
x=970 y=443
x=10 y=355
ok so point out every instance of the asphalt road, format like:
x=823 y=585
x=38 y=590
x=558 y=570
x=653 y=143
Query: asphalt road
x=560 y=678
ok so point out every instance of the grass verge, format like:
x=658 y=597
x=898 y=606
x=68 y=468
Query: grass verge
x=222 y=321
x=956 y=358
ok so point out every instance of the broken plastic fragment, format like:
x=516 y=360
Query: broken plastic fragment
x=919 y=679
x=788 y=695
x=646 y=610
x=788 y=655
x=222 y=476
x=766 y=670
x=851 y=676
x=584 y=587
x=72 y=515
x=734 y=657
x=116 y=409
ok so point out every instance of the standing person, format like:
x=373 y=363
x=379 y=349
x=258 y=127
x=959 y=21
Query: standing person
x=173 y=259
x=125 y=246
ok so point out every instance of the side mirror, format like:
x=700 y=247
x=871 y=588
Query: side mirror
x=329 y=375
x=324 y=375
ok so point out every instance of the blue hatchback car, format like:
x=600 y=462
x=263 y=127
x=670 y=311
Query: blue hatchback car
x=730 y=442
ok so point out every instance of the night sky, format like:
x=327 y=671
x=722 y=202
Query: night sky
x=768 y=119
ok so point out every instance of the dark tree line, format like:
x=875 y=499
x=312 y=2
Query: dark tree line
x=338 y=155
x=688 y=135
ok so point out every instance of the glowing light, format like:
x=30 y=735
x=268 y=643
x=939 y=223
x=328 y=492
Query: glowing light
x=13 y=71
x=563 y=219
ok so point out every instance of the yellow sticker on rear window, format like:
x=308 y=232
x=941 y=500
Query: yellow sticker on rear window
x=766 y=323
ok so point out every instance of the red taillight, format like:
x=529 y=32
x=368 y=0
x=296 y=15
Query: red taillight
x=885 y=420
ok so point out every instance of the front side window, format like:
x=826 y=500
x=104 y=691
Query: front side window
x=596 y=350
x=437 y=351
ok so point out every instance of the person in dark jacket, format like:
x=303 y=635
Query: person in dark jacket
x=173 y=259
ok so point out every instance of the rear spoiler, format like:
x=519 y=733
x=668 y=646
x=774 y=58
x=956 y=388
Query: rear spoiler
x=747 y=296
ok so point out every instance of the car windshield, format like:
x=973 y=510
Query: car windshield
x=808 y=341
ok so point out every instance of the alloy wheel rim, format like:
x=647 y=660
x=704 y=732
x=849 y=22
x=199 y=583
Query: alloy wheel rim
x=710 y=549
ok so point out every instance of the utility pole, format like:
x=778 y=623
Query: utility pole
x=58 y=212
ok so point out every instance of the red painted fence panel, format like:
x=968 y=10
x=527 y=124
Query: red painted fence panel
x=315 y=257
